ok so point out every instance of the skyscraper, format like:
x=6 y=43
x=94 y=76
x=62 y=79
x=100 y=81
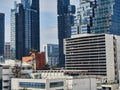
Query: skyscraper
x=20 y=32
x=25 y=28
x=2 y=30
x=98 y=16
x=32 y=33
x=13 y=32
x=65 y=20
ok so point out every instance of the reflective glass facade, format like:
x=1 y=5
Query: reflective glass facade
x=32 y=85
x=2 y=30
x=65 y=20
x=52 y=54
x=32 y=32
x=27 y=7
x=56 y=84
x=25 y=33
x=99 y=16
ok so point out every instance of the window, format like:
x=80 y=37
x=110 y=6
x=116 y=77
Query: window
x=56 y=84
x=32 y=85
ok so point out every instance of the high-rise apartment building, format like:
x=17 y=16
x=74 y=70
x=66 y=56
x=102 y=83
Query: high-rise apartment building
x=52 y=54
x=97 y=53
x=7 y=50
x=2 y=30
x=25 y=34
x=65 y=13
x=98 y=16
x=13 y=32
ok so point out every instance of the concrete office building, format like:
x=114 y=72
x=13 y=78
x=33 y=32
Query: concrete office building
x=38 y=84
x=51 y=54
x=7 y=50
x=97 y=16
x=97 y=53
x=55 y=80
x=2 y=31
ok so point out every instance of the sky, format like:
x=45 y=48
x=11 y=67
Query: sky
x=48 y=19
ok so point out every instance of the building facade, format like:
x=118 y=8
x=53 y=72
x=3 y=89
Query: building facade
x=98 y=16
x=38 y=84
x=51 y=54
x=65 y=13
x=55 y=80
x=32 y=32
x=25 y=33
x=36 y=59
x=7 y=50
x=97 y=53
x=2 y=30
x=13 y=32
x=20 y=32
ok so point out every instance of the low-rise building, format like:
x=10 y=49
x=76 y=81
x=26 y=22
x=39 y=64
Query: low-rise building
x=38 y=84
x=9 y=70
x=36 y=59
x=55 y=80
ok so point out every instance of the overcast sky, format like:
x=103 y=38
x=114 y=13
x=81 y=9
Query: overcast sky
x=48 y=19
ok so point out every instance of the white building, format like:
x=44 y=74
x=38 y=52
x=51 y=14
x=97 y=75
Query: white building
x=109 y=87
x=38 y=84
x=6 y=73
x=55 y=80
x=97 y=53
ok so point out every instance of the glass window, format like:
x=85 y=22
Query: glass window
x=32 y=85
x=56 y=84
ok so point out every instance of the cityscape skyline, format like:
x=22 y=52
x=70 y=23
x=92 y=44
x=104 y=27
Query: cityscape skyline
x=60 y=45
x=48 y=15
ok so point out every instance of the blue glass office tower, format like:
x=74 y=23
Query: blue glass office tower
x=20 y=32
x=35 y=30
x=98 y=16
x=65 y=13
x=25 y=34
x=2 y=29
x=32 y=33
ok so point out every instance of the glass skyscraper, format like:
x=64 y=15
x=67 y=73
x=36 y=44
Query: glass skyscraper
x=98 y=16
x=27 y=8
x=25 y=33
x=2 y=30
x=32 y=33
x=65 y=13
